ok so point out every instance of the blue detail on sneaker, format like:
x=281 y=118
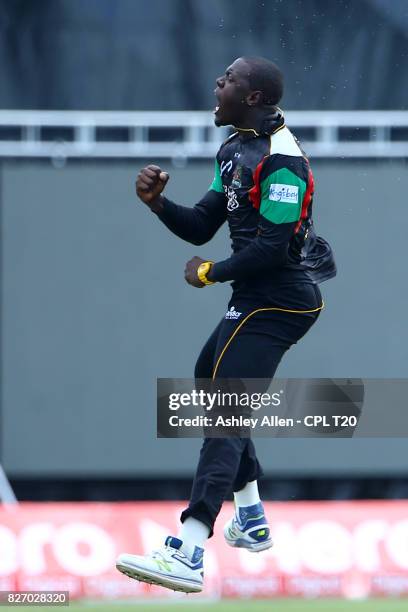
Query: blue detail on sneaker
x=173 y=542
x=196 y=561
x=249 y=529
x=198 y=555
x=260 y=535
x=250 y=516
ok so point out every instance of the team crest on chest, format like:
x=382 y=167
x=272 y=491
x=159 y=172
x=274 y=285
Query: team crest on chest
x=237 y=178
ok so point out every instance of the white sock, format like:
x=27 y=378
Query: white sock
x=193 y=533
x=248 y=496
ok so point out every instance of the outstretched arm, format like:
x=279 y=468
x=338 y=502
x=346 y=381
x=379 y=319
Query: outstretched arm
x=196 y=225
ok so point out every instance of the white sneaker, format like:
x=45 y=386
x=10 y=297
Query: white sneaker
x=249 y=529
x=167 y=567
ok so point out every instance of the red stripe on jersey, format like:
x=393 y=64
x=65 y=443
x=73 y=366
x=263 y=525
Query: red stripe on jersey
x=307 y=198
x=254 y=193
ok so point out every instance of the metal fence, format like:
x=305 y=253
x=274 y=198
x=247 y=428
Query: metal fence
x=178 y=134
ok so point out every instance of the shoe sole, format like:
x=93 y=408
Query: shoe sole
x=143 y=575
x=252 y=547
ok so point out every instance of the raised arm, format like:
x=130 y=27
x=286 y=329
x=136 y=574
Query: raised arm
x=196 y=225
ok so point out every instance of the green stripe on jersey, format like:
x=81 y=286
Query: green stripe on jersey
x=216 y=185
x=282 y=195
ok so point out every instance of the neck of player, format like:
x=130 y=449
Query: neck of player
x=253 y=120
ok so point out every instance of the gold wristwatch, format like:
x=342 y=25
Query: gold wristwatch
x=202 y=271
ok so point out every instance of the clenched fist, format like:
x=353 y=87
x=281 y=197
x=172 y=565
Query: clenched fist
x=190 y=272
x=150 y=183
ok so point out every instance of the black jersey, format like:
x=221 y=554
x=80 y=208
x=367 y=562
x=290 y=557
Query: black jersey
x=263 y=186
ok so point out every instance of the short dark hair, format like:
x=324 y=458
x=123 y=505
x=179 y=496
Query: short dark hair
x=267 y=77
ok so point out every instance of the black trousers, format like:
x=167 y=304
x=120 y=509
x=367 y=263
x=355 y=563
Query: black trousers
x=249 y=342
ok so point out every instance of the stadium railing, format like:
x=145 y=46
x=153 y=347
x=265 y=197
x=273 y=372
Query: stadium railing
x=183 y=135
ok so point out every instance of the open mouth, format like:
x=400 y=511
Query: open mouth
x=217 y=107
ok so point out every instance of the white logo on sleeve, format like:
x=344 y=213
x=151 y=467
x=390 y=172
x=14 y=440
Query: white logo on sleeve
x=225 y=167
x=232 y=313
x=284 y=193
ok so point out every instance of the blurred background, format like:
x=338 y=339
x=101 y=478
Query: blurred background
x=94 y=306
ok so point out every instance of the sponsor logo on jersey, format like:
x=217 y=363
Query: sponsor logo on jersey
x=288 y=194
x=232 y=198
x=232 y=313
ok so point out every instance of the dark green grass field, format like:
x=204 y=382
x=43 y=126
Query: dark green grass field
x=280 y=605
